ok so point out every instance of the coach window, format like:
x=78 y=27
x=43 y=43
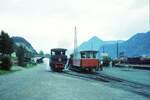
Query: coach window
x=87 y=55
x=83 y=55
x=94 y=55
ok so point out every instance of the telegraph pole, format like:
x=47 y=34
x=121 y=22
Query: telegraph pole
x=149 y=11
x=117 y=49
x=103 y=49
x=75 y=41
x=91 y=45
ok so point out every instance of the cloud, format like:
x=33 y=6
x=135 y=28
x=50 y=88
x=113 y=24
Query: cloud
x=50 y=23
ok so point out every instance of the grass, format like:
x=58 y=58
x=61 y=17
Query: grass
x=3 y=72
x=30 y=65
x=15 y=68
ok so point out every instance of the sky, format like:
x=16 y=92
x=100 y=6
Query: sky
x=50 y=24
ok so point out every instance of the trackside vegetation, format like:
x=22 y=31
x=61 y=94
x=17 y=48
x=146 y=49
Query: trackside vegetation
x=12 y=54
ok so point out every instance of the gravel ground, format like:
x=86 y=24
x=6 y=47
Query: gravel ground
x=38 y=83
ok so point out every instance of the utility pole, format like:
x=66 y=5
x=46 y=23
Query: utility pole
x=75 y=42
x=149 y=10
x=103 y=49
x=117 y=49
x=91 y=45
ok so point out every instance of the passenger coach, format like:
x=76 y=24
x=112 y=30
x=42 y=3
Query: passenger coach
x=86 y=61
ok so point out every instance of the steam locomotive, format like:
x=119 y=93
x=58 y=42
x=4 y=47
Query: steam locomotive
x=58 y=59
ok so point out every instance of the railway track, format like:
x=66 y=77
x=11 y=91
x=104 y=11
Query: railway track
x=138 y=88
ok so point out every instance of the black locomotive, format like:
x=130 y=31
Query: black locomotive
x=58 y=59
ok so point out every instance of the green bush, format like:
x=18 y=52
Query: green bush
x=6 y=63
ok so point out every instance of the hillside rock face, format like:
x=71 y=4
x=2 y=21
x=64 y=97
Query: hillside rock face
x=93 y=44
x=21 y=41
x=137 y=45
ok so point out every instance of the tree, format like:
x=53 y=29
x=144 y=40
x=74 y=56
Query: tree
x=41 y=53
x=6 y=48
x=6 y=43
x=6 y=62
x=21 y=55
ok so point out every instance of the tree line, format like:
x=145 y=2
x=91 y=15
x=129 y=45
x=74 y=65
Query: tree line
x=7 y=48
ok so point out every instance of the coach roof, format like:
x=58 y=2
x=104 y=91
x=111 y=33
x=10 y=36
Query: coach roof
x=89 y=51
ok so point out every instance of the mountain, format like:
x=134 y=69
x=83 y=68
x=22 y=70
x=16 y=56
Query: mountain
x=139 y=42
x=21 y=41
x=137 y=45
x=94 y=44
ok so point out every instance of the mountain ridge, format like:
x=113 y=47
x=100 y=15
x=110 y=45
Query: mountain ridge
x=137 y=45
x=22 y=41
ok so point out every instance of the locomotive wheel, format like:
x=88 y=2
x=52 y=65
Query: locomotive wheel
x=59 y=70
x=51 y=68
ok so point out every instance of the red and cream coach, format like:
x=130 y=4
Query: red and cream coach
x=86 y=61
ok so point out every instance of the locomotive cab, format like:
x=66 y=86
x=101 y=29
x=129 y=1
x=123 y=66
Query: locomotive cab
x=58 y=59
